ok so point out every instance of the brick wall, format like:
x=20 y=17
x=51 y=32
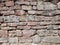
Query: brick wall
x=29 y=22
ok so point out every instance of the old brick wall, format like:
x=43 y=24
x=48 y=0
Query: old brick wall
x=29 y=22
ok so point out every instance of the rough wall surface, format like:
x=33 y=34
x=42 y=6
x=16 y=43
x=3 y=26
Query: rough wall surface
x=29 y=22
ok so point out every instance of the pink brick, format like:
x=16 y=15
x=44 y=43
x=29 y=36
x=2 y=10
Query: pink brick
x=20 y=12
x=3 y=33
x=32 y=23
x=28 y=33
x=9 y=3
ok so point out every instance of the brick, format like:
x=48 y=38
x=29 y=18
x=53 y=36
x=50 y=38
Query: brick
x=26 y=7
x=13 y=40
x=44 y=23
x=21 y=39
x=32 y=23
x=39 y=27
x=5 y=44
x=36 y=39
x=32 y=12
x=33 y=3
x=44 y=44
x=23 y=18
x=22 y=2
x=25 y=40
x=20 y=12
x=40 y=5
x=39 y=12
x=14 y=44
x=49 y=6
x=58 y=4
x=4 y=8
x=57 y=12
x=7 y=28
x=17 y=7
x=4 y=24
x=28 y=33
x=12 y=24
x=11 y=18
x=30 y=18
x=1 y=18
x=23 y=27
x=3 y=33
x=7 y=12
x=34 y=7
x=18 y=32
x=42 y=32
x=22 y=23
x=9 y=3
x=51 y=39
x=25 y=43
x=4 y=40
x=12 y=33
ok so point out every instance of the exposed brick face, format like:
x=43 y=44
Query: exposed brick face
x=29 y=22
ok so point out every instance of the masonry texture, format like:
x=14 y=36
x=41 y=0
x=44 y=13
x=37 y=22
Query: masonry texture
x=29 y=22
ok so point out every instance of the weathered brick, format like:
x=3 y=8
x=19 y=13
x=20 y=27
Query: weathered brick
x=4 y=8
x=39 y=12
x=44 y=44
x=49 y=6
x=31 y=12
x=9 y=3
x=33 y=3
x=40 y=5
x=5 y=44
x=25 y=40
x=22 y=2
x=11 y=18
x=20 y=12
x=51 y=39
x=58 y=4
x=34 y=7
x=4 y=40
x=17 y=7
x=13 y=40
x=39 y=27
x=12 y=24
x=32 y=23
x=21 y=39
x=23 y=27
x=19 y=33
x=26 y=7
x=36 y=39
x=28 y=33
x=3 y=33
x=7 y=28
x=7 y=12
x=1 y=19
x=42 y=32
x=13 y=43
x=4 y=24
x=12 y=33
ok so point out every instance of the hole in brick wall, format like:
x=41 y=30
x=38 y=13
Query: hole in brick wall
x=26 y=10
x=15 y=0
x=1 y=14
x=53 y=1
